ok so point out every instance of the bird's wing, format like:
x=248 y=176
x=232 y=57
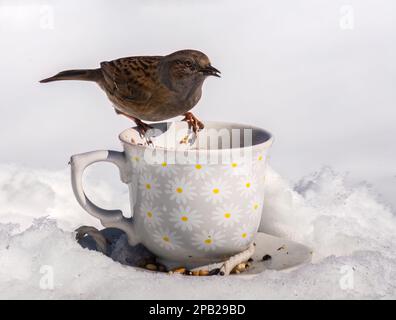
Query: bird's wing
x=131 y=79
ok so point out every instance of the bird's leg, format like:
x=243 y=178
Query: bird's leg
x=193 y=122
x=142 y=127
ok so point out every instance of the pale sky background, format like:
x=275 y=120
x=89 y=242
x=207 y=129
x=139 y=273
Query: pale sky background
x=326 y=93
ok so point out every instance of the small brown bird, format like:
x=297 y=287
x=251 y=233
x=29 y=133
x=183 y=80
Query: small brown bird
x=151 y=88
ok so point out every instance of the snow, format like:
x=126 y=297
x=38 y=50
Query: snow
x=350 y=230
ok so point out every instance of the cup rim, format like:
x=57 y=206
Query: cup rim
x=267 y=143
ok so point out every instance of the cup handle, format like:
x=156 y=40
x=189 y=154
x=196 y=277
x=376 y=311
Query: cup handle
x=108 y=218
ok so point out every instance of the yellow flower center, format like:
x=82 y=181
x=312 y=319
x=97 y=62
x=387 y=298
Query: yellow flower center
x=248 y=185
x=184 y=218
x=149 y=214
x=260 y=158
x=164 y=164
x=208 y=241
x=179 y=190
x=227 y=215
x=198 y=166
x=136 y=158
x=255 y=206
x=148 y=186
x=165 y=238
x=216 y=190
x=244 y=235
x=234 y=165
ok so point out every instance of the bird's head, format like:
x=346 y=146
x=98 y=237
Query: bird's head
x=188 y=68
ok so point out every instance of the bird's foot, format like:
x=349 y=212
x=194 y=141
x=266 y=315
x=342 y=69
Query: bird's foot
x=142 y=128
x=193 y=123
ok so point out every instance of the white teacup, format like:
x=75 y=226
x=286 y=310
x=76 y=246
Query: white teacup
x=192 y=203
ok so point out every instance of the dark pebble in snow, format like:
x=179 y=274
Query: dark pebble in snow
x=214 y=272
x=266 y=257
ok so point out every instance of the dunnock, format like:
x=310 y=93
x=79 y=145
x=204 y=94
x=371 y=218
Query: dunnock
x=151 y=88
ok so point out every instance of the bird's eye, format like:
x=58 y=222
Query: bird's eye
x=188 y=64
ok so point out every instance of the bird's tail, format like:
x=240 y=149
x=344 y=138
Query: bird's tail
x=83 y=74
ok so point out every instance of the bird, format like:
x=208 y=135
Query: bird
x=151 y=88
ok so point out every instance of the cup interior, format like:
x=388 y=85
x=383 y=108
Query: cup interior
x=215 y=136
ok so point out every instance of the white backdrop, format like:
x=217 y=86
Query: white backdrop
x=319 y=75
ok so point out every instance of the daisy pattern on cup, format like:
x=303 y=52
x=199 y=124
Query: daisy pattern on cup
x=216 y=191
x=208 y=240
x=199 y=170
x=255 y=206
x=167 y=239
x=152 y=215
x=165 y=169
x=138 y=162
x=185 y=218
x=259 y=165
x=243 y=236
x=260 y=158
x=180 y=190
x=236 y=168
x=149 y=186
x=227 y=215
x=247 y=186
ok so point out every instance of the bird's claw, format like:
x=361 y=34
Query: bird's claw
x=142 y=128
x=193 y=123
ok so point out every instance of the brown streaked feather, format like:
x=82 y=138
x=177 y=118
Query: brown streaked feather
x=150 y=88
x=131 y=78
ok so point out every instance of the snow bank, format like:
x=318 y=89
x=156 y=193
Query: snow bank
x=351 y=232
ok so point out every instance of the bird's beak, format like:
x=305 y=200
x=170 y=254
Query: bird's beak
x=210 y=71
